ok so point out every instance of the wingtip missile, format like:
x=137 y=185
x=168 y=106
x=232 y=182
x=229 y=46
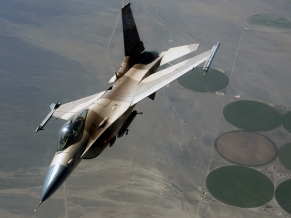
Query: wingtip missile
x=38 y=206
x=208 y=62
x=38 y=128
x=44 y=122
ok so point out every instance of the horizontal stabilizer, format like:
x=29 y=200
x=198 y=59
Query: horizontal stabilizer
x=177 y=52
x=113 y=79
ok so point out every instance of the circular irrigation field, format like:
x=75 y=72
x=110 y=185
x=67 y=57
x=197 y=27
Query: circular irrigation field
x=252 y=115
x=286 y=121
x=283 y=195
x=269 y=23
x=285 y=154
x=213 y=81
x=240 y=186
x=246 y=148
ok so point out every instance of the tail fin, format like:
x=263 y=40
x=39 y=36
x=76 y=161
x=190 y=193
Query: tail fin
x=132 y=43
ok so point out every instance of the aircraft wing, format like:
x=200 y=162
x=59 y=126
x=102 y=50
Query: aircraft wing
x=66 y=111
x=158 y=80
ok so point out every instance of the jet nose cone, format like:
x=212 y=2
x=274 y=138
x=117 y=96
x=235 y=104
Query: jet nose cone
x=55 y=177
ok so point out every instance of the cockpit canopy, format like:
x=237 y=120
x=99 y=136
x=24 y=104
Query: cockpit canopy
x=72 y=130
x=148 y=57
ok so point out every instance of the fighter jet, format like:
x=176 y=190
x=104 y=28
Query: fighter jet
x=94 y=122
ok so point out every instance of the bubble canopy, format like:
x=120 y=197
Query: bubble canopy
x=72 y=130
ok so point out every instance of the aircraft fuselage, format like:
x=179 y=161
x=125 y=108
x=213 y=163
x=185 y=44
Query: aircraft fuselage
x=94 y=122
x=95 y=127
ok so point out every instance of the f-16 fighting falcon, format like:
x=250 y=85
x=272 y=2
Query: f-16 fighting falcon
x=94 y=122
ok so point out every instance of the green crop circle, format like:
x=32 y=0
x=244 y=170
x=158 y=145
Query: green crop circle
x=284 y=155
x=240 y=186
x=252 y=115
x=286 y=121
x=283 y=195
x=269 y=23
x=246 y=148
x=213 y=81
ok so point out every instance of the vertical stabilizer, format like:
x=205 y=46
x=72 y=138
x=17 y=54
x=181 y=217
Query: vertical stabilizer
x=132 y=44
